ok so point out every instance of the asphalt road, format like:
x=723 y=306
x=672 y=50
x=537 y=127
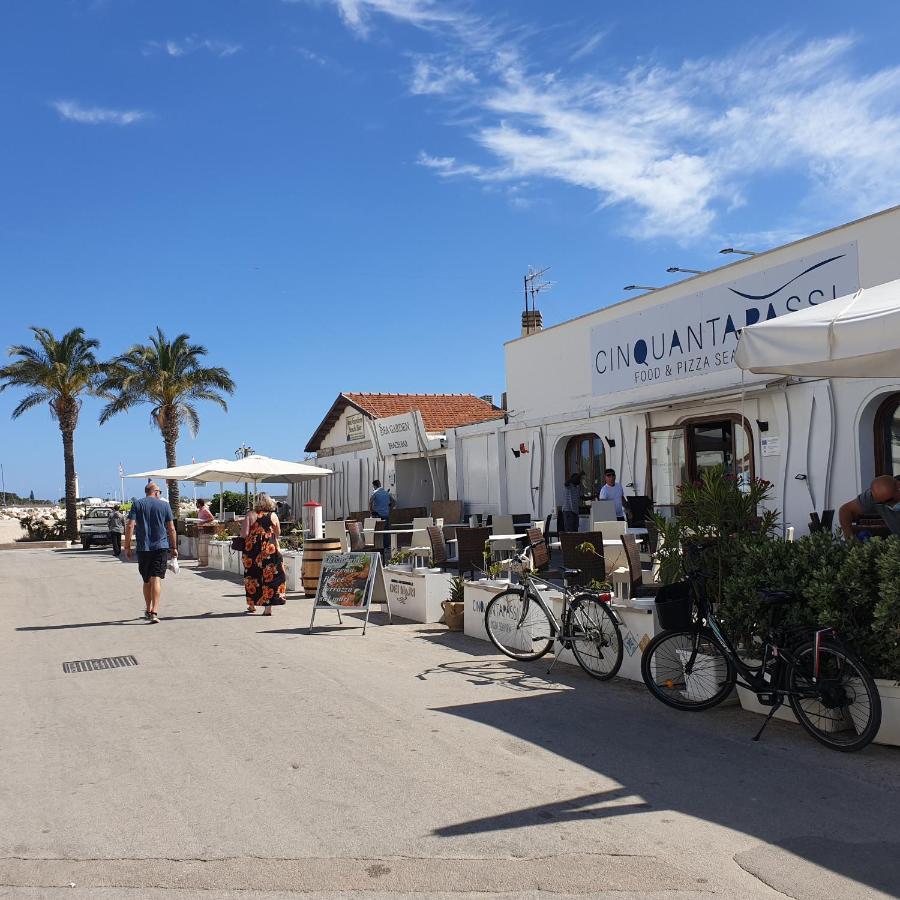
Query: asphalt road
x=245 y=758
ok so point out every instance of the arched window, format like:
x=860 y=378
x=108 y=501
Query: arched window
x=683 y=452
x=887 y=437
x=584 y=453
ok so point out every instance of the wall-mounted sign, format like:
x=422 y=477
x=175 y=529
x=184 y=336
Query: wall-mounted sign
x=771 y=445
x=697 y=334
x=355 y=428
x=401 y=434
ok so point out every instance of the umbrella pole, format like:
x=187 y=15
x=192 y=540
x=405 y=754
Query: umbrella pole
x=221 y=500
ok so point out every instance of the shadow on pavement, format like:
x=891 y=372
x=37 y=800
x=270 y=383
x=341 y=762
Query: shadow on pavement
x=496 y=672
x=574 y=810
x=138 y=620
x=821 y=810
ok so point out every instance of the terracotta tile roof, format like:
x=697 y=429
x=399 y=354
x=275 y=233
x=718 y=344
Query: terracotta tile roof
x=439 y=411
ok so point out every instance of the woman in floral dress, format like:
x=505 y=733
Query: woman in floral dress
x=264 y=578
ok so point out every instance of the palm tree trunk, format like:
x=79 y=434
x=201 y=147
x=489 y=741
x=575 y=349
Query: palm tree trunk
x=68 y=439
x=170 y=438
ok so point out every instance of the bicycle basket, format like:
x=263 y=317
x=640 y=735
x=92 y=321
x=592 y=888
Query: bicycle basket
x=675 y=606
x=520 y=564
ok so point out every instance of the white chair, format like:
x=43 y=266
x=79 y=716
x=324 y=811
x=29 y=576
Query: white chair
x=337 y=531
x=368 y=528
x=603 y=511
x=420 y=545
x=503 y=525
x=612 y=531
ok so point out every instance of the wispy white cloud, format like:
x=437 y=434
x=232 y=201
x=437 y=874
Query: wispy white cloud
x=448 y=167
x=311 y=56
x=587 y=46
x=439 y=76
x=192 y=44
x=676 y=148
x=73 y=111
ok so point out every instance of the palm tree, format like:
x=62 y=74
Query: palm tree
x=60 y=372
x=168 y=375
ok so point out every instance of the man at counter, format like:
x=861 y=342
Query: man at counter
x=881 y=499
x=613 y=491
x=572 y=502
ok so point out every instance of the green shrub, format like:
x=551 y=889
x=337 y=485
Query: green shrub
x=233 y=501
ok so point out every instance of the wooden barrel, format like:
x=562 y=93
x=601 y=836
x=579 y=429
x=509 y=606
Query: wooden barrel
x=314 y=551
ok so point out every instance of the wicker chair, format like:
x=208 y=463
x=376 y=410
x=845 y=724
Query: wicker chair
x=580 y=569
x=470 y=548
x=440 y=558
x=636 y=585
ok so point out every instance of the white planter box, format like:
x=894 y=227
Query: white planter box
x=889 y=733
x=476 y=597
x=888 y=691
x=639 y=627
x=187 y=547
x=217 y=551
x=293 y=561
x=234 y=562
x=417 y=595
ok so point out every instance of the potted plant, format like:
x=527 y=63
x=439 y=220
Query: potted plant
x=454 y=606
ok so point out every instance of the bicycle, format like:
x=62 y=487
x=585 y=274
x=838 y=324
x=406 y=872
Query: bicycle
x=521 y=624
x=693 y=665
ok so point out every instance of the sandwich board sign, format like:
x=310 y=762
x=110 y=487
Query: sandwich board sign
x=350 y=582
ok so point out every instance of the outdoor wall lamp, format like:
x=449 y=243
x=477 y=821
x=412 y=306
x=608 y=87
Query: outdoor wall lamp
x=800 y=477
x=639 y=287
x=735 y=250
x=763 y=426
x=610 y=441
x=688 y=271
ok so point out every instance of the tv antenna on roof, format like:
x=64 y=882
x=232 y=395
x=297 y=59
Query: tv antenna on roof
x=534 y=284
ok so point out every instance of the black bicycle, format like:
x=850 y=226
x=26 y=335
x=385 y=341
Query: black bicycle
x=520 y=623
x=693 y=665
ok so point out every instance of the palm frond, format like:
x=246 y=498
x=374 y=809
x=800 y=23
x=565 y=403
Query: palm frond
x=38 y=398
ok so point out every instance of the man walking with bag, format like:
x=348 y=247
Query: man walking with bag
x=150 y=520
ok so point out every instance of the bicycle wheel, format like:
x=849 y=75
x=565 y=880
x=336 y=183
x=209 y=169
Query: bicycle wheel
x=683 y=679
x=841 y=708
x=595 y=637
x=518 y=625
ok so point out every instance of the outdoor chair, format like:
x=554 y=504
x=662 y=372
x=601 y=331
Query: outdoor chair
x=580 y=569
x=337 y=531
x=638 y=510
x=357 y=540
x=603 y=511
x=470 y=549
x=451 y=511
x=503 y=525
x=540 y=553
x=551 y=537
x=827 y=519
x=636 y=582
x=419 y=538
x=560 y=521
x=440 y=556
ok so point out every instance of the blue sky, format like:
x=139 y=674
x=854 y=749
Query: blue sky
x=344 y=194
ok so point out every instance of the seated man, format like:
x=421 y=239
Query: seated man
x=203 y=513
x=881 y=499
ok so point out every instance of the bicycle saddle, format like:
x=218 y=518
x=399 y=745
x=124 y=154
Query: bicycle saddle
x=776 y=598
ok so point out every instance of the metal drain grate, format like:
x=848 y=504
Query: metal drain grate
x=92 y=665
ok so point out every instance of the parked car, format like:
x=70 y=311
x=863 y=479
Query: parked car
x=95 y=527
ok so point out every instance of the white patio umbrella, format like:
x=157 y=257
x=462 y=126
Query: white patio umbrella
x=857 y=336
x=189 y=472
x=261 y=468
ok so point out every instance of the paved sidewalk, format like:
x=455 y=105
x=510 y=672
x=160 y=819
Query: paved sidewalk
x=244 y=758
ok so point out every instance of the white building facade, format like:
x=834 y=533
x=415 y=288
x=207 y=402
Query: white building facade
x=649 y=387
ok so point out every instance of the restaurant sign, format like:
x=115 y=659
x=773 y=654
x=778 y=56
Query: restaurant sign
x=355 y=429
x=401 y=434
x=697 y=334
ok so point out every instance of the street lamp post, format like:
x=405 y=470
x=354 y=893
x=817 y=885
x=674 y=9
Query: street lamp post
x=243 y=452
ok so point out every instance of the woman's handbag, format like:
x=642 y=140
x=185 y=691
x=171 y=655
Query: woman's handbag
x=238 y=544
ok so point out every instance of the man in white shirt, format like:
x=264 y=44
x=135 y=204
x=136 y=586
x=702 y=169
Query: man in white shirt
x=613 y=491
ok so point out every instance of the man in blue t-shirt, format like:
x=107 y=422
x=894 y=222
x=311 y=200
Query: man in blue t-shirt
x=380 y=505
x=150 y=520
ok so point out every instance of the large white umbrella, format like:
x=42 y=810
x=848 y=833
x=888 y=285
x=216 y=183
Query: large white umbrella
x=857 y=336
x=182 y=473
x=261 y=468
